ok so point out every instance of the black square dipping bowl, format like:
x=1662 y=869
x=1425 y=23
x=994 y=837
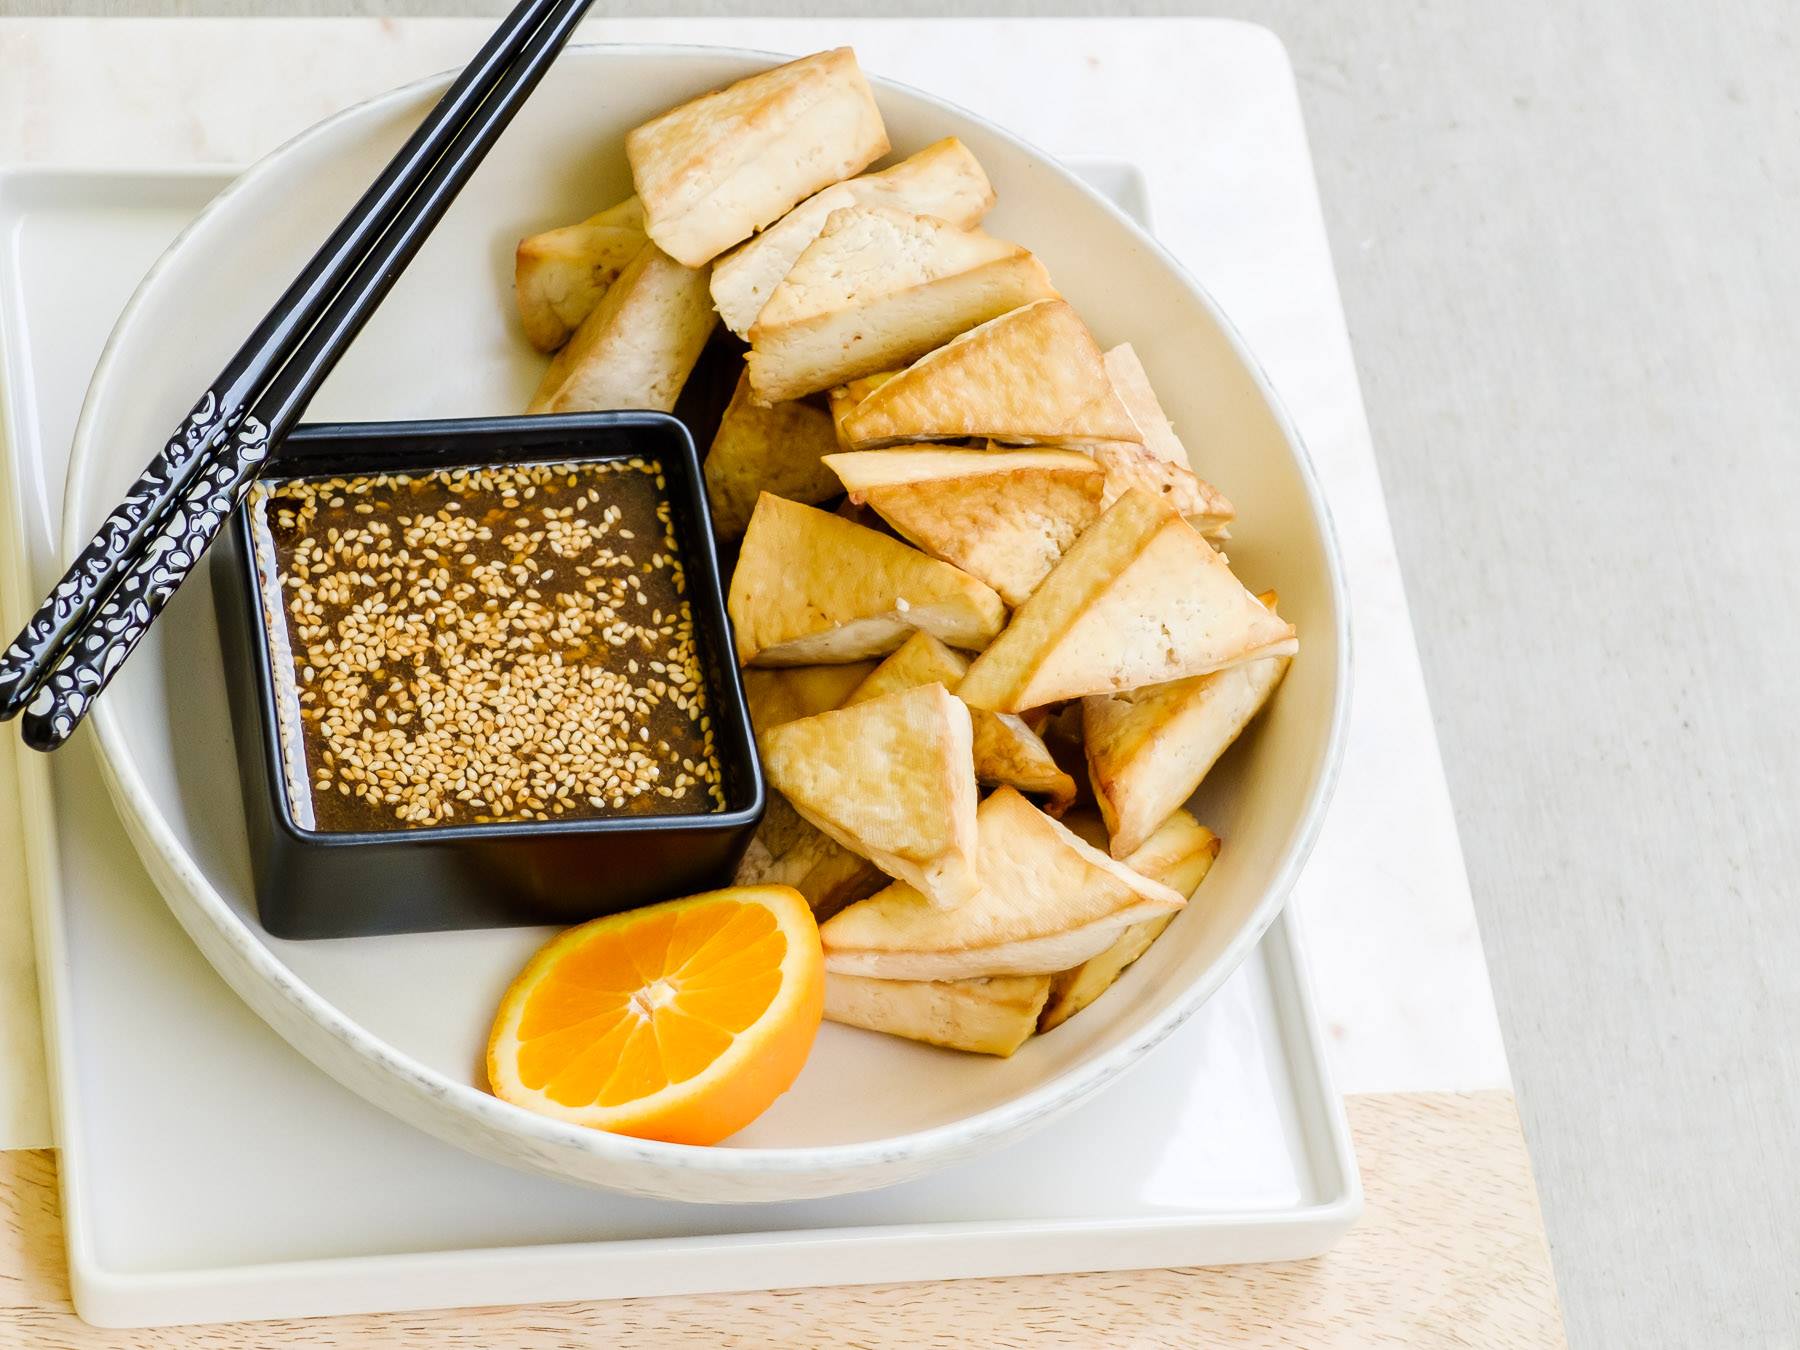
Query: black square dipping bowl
x=338 y=847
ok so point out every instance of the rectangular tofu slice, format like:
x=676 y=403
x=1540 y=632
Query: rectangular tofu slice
x=744 y=279
x=777 y=449
x=638 y=346
x=560 y=275
x=717 y=169
x=877 y=289
x=814 y=589
x=943 y=180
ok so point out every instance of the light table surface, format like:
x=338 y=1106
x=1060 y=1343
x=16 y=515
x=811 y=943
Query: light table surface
x=1482 y=1120
x=1565 y=234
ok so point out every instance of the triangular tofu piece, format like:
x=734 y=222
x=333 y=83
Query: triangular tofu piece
x=788 y=693
x=718 y=168
x=892 y=779
x=943 y=180
x=789 y=850
x=921 y=659
x=626 y=215
x=863 y=516
x=1163 y=465
x=1032 y=376
x=1129 y=466
x=987 y=1016
x=1006 y=750
x=638 y=346
x=813 y=589
x=1047 y=901
x=560 y=275
x=878 y=288
x=745 y=278
x=1003 y=516
x=766 y=449
x=1179 y=855
x=844 y=398
x=1140 y=599
x=1148 y=749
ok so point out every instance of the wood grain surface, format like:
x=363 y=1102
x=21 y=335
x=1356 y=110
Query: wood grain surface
x=1450 y=1252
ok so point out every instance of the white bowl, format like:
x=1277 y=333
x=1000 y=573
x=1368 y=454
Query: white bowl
x=402 y=1020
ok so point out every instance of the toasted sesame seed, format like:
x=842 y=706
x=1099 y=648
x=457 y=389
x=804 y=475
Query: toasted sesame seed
x=447 y=680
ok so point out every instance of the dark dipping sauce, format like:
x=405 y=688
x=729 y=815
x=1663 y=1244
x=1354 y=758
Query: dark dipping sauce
x=471 y=646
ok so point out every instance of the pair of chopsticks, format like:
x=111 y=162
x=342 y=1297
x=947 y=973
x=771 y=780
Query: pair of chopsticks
x=105 y=603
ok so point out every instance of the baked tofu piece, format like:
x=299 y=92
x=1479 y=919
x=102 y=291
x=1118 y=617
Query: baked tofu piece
x=775 y=449
x=1179 y=855
x=1004 y=516
x=1032 y=376
x=1047 y=901
x=1010 y=753
x=1148 y=749
x=843 y=399
x=877 y=289
x=788 y=693
x=985 y=1016
x=1162 y=463
x=893 y=780
x=921 y=659
x=638 y=346
x=943 y=180
x=814 y=589
x=560 y=275
x=717 y=169
x=1006 y=750
x=989 y=1015
x=1140 y=599
x=789 y=850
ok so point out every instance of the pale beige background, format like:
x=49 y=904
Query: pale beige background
x=1568 y=236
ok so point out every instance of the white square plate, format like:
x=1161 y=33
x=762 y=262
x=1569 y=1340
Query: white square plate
x=211 y=1173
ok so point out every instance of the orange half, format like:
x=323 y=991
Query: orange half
x=682 y=1021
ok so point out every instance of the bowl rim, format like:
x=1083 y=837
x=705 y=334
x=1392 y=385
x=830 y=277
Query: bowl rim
x=430 y=1091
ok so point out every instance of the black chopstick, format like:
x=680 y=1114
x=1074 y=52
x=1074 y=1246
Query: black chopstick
x=125 y=614
x=122 y=539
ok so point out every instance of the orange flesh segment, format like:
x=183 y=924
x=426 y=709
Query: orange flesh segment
x=582 y=1077
x=687 y=1044
x=649 y=1005
x=544 y=1056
